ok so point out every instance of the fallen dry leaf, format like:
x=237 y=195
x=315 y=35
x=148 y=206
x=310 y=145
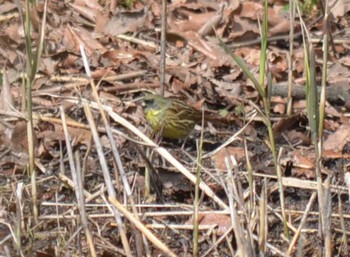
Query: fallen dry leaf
x=86 y=12
x=338 y=139
x=122 y=22
x=302 y=158
x=74 y=37
x=339 y=7
x=19 y=138
x=219 y=157
x=285 y=124
x=222 y=221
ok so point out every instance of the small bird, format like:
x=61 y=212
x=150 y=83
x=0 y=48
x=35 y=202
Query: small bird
x=170 y=117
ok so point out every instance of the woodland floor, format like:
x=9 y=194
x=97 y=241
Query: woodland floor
x=122 y=44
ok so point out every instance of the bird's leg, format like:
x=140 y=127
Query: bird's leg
x=184 y=143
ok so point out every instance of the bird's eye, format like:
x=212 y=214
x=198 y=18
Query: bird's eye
x=148 y=103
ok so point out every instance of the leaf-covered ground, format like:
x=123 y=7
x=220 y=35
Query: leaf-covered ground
x=79 y=180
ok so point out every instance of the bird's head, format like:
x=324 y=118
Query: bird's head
x=155 y=102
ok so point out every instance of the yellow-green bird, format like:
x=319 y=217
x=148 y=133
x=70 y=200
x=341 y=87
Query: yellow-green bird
x=170 y=117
